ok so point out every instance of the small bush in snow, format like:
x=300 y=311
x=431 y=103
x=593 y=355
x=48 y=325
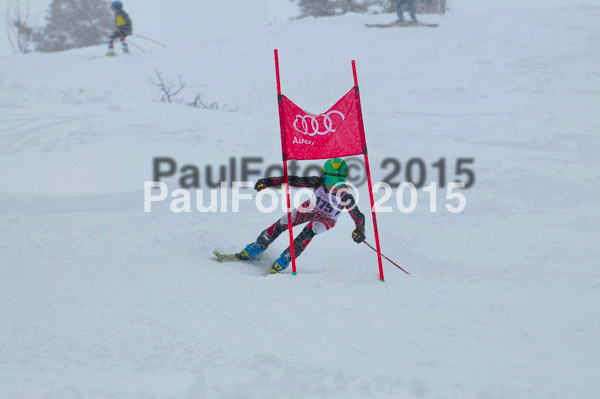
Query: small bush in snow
x=170 y=89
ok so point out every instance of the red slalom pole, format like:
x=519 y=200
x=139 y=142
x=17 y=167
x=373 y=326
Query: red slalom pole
x=285 y=169
x=368 y=170
x=391 y=261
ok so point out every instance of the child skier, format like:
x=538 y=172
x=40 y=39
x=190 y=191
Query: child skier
x=123 y=28
x=328 y=200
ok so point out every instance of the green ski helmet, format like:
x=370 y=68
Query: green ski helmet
x=335 y=171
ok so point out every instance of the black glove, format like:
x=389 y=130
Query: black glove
x=358 y=235
x=261 y=184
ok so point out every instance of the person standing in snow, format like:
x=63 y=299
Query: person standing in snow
x=122 y=30
x=320 y=212
x=410 y=5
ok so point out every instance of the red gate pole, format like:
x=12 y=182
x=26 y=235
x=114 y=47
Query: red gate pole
x=284 y=155
x=364 y=144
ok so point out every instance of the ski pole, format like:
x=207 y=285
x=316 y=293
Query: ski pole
x=151 y=39
x=136 y=46
x=391 y=261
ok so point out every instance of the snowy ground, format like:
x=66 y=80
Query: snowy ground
x=99 y=299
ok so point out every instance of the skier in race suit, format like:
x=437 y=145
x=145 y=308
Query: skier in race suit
x=320 y=212
x=123 y=28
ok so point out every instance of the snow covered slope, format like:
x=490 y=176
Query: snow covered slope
x=100 y=299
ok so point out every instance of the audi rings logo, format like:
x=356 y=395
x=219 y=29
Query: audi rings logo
x=321 y=124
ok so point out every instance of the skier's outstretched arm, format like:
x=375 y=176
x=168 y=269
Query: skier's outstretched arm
x=348 y=201
x=296 y=181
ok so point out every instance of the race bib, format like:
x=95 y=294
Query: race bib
x=326 y=204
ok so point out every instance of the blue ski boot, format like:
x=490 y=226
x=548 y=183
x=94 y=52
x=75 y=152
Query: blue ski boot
x=250 y=252
x=280 y=264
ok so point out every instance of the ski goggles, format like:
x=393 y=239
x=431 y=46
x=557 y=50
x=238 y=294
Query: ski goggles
x=330 y=179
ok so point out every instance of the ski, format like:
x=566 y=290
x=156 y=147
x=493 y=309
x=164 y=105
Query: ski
x=224 y=258
x=227 y=257
x=400 y=24
x=94 y=57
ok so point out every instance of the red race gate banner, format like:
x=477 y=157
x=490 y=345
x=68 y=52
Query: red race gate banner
x=334 y=133
x=339 y=132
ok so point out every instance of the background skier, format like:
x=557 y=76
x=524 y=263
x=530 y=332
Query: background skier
x=328 y=199
x=410 y=5
x=123 y=27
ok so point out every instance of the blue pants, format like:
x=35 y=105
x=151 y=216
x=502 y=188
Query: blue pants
x=410 y=5
x=116 y=35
